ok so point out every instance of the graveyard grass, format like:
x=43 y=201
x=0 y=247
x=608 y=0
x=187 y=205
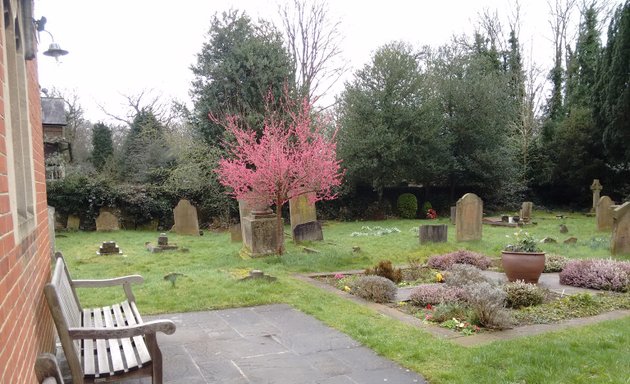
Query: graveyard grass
x=212 y=269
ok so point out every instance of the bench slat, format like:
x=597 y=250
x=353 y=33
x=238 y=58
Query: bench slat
x=101 y=345
x=129 y=354
x=88 y=346
x=114 y=347
x=141 y=348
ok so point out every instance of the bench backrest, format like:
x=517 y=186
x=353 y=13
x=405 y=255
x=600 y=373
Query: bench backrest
x=66 y=311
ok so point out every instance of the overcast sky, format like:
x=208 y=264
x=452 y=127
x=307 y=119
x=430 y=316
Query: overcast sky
x=124 y=46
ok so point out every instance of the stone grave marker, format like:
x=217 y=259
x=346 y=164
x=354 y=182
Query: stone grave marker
x=259 y=229
x=453 y=214
x=236 y=233
x=186 y=221
x=620 y=242
x=311 y=231
x=243 y=211
x=301 y=211
x=109 y=248
x=596 y=187
x=107 y=220
x=73 y=223
x=604 y=213
x=469 y=217
x=526 y=211
x=433 y=233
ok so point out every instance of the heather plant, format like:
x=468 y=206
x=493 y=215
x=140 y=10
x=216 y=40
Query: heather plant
x=555 y=263
x=461 y=275
x=385 y=269
x=487 y=303
x=608 y=275
x=521 y=294
x=435 y=294
x=374 y=288
x=462 y=256
x=449 y=310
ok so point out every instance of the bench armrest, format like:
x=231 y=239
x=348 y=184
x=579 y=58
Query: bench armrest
x=132 y=279
x=164 y=326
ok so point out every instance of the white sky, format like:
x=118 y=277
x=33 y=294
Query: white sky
x=124 y=46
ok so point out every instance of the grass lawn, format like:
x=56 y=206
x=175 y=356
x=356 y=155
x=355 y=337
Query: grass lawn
x=591 y=354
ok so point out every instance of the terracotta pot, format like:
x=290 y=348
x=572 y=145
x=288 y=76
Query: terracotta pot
x=526 y=266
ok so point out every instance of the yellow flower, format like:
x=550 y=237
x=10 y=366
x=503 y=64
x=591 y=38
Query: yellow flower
x=439 y=278
x=346 y=288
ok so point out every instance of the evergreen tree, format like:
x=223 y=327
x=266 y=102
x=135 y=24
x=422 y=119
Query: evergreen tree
x=102 y=145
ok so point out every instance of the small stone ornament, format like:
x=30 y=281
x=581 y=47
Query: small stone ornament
x=109 y=248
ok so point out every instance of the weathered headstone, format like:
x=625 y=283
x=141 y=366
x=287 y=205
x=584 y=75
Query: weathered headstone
x=571 y=240
x=107 y=220
x=604 y=213
x=73 y=223
x=236 y=233
x=563 y=228
x=186 y=221
x=51 y=228
x=453 y=214
x=260 y=237
x=437 y=233
x=311 y=231
x=620 y=242
x=526 y=211
x=596 y=187
x=468 y=217
x=109 y=248
x=301 y=211
x=243 y=211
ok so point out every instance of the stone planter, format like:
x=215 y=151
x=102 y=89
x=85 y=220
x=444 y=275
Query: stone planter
x=526 y=266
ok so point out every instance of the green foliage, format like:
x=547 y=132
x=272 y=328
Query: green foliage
x=102 y=145
x=522 y=241
x=426 y=206
x=520 y=294
x=450 y=310
x=375 y=288
x=240 y=62
x=407 y=205
x=385 y=269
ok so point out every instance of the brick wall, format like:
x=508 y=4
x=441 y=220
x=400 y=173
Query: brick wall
x=26 y=327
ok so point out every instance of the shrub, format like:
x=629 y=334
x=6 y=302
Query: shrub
x=487 y=303
x=461 y=275
x=521 y=294
x=434 y=294
x=426 y=206
x=407 y=205
x=375 y=288
x=597 y=274
x=555 y=263
x=462 y=256
x=448 y=311
x=385 y=269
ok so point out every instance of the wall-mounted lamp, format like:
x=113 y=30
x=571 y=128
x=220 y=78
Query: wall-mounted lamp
x=54 y=50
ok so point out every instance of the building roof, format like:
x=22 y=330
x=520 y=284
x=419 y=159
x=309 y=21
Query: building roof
x=53 y=112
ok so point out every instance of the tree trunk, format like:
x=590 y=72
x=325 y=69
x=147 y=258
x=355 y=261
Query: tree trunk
x=279 y=228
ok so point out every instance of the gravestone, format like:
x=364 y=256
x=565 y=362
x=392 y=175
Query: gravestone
x=434 y=233
x=236 y=233
x=596 y=187
x=259 y=233
x=302 y=211
x=526 y=211
x=243 y=211
x=51 y=229
x=73 y=223
x=109 y=248
x=106 y=220
x=468 y=217
x=620 y=242
x=453 y=214
x=311 y=231
x=186 y=222
x=604 y=213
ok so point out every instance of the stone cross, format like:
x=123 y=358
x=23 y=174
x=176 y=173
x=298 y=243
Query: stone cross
x=596 y=187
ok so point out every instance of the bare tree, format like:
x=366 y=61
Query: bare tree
x=145 y=100
x=313 y=41
x=78 y=130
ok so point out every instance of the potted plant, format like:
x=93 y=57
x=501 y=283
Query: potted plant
x=522 y=259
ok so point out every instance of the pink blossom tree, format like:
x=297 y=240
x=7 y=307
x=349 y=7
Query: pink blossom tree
x=293 y=156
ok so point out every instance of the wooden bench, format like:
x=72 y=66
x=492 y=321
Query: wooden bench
x=104 y=344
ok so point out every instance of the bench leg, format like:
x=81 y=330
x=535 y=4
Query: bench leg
x=156 y=357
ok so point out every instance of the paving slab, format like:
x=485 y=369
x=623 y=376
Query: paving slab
x=271 y=344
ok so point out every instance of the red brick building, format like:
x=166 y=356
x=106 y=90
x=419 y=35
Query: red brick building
x=26 y=327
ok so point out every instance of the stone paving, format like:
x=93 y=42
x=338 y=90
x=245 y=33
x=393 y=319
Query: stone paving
x=273 y=344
